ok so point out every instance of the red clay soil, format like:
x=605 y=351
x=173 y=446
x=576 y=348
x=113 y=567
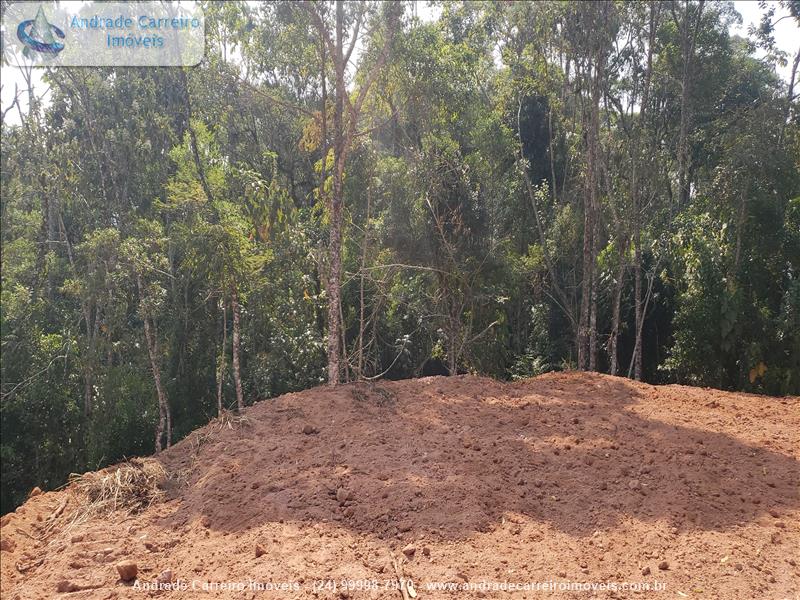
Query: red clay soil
x=563 y=480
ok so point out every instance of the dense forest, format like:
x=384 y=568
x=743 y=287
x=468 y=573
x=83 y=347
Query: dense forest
x=349 y=191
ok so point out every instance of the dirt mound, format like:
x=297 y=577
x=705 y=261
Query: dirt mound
x=463 y=485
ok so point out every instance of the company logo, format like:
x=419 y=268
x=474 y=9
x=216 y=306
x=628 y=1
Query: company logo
x=133 y=33
x=38 y=36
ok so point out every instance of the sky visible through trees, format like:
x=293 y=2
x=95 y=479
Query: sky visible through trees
x=348 y=191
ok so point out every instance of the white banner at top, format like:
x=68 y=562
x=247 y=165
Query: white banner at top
x=96 y=34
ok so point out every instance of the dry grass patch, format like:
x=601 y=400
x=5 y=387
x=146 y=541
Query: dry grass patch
x=131 y=486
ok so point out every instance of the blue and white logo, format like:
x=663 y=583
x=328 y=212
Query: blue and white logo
x=39 y=35
x=152 y=33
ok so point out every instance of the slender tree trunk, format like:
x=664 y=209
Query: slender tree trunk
x=88 y=388
x=586 y=280
x=635 y=367
x=563 y=302
x=615 y=319
x=599 y=75
x=193 y=138
x=88 y=369
x=337 y=201
x=93 y=332
x=636 y=361
x=323 y=176
x=344 y=361
x=587 y=348
x=237 y=377
x=789 y=96
x=688 y=29
x=50 y=202
x=683 y=160
x=324 y=117
x=164 y=418
x=452 y=354
x=740 y=231
x=594 y=286
x=167 y=411
x=361 y=325
x=343 y=135
x=334 y=283
x=88 y=373
x=222 y=356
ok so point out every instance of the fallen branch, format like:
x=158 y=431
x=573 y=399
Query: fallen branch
x=398 y=570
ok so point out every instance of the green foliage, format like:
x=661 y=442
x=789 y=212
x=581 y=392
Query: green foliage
x=539 y=354
x=162 y=195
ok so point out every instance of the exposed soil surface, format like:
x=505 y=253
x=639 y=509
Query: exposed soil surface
x=468 y=481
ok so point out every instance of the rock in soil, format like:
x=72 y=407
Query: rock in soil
x=165 y=576
x=127 y=570
x=342 y=495
x=65 y=587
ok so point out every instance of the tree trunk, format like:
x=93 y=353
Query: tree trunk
x=452 y=356
x=93 y=332
x=167 y=411
x=237 y=377
x=734 y=276
x=635 y=366
x=88 y=374
x=88 y=388
x=455 y=327
x=361 y=325
x=323 y=197
x=586 y=281
x=164 y=418
x=688 y=31
x=343 y=134
x=615 y=319
x=344 y=361
x=566 y=306
x=337 y=201
x=221 y=364
x=88 y=393
x=587 y=348
x=636 y=361
x=683 y=185
x=334 y=282
x=789 y=96
x=193 y=139
x=594 y=285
